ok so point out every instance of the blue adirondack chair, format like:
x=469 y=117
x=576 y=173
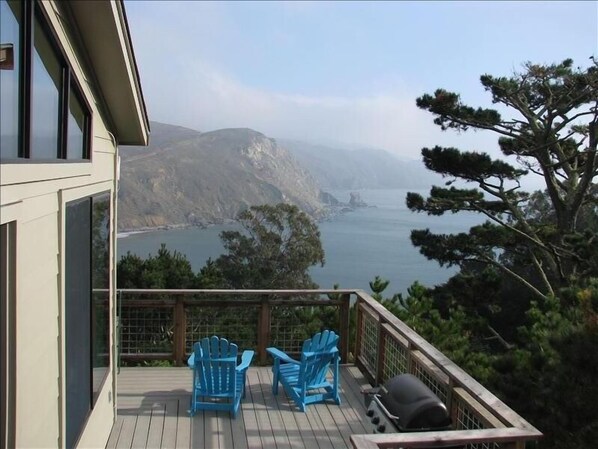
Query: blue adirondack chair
x=218 y=382
x=305 y=380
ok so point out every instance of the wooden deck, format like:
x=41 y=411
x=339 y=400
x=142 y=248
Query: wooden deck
x=153 y=408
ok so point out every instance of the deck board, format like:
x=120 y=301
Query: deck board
x=169 y=433
x=125 y=439
x=156 y=427
x=183 y=425
x=153 y=412
x=116 y=429
x=298 y=437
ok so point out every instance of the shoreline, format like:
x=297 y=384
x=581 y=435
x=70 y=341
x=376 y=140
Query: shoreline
x=124 y=233
x=332 y=212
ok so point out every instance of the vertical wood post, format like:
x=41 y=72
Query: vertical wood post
x=451 y=405
x=179 y=331
x=381 y=352
x=358 y=324
x=410 y=364
x=263 y=334
x=344 y=327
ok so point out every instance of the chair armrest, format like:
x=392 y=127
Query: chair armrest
x=277 y=353
x=333 y=351
x=246 y=359
x=191 y=360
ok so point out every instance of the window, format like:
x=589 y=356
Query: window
x=87 y=316
x=45 y=95
x=7 y=334
x=76 y=127
x=46 y=115
x=10 y=74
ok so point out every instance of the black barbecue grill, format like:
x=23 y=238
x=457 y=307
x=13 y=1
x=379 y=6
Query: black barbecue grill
x=405 y=404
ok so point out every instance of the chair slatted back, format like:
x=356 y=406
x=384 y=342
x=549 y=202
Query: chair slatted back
x=316 y=355
x=215 y=364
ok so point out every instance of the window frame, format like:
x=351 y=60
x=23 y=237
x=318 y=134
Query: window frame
x=87 y=398
x=31 y=11
x=8 y=277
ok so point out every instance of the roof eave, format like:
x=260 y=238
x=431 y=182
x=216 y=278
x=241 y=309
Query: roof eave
x=105 y=33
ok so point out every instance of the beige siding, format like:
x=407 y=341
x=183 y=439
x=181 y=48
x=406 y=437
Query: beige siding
x=37 y=328
x=34 y=195
x=40 y=308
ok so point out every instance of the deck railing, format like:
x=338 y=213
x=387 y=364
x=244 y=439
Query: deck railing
x=163 y=324
x=386 y=347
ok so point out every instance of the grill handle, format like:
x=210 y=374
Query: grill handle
x=384 y=409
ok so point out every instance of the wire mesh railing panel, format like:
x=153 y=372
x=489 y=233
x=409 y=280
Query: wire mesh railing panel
x=146 y=330
x=395 y=359
x=469 y=416
x=290 y=326
x=440 y=389
x=235 y=323
x=369 y=342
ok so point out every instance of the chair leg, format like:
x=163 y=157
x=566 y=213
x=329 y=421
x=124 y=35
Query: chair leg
x=275 y=371
x=302 y=406
x=336 y=379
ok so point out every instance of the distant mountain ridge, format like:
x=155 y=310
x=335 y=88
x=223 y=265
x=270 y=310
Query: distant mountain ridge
x=189 y=178
x=341 y=169
x=186 y=177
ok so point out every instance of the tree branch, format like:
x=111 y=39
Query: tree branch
x=517 y=277
x=498 y=337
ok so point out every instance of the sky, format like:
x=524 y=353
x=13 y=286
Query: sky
x=343 y=73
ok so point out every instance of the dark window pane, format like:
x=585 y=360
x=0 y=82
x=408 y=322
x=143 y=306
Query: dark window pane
x=100 y=275
x=77 y=279
x=45 y=98
x=8 y=263
x=10 y=70
x=76 y=136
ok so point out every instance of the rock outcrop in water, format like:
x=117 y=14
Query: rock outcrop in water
x=356 y=201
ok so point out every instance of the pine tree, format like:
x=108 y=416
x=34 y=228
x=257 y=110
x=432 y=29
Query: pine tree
x=550 y=131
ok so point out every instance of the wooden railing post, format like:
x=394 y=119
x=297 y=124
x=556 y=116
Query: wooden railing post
x=179 y=331
x=410 y=367
x=358 y=320
x=449 y=397
x=344 y=327
x=263 y=333
x=381 y=352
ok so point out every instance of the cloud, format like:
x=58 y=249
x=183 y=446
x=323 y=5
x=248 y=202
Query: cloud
x=184 y=85
x=202 y=97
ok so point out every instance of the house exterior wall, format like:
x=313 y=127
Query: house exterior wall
x=33 y=195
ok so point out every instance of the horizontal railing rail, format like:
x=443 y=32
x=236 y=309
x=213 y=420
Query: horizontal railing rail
x=163 y=324
x=507 y=438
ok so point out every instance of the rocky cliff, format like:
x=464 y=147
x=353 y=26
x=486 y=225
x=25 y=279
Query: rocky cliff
x=341 y=169
x=190 y=178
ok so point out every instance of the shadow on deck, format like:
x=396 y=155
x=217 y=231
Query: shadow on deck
x=153 y=406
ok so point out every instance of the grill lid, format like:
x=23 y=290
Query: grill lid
x=415 y=405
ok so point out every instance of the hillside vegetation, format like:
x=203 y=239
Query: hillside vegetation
x=189 y=178
x=186 y=177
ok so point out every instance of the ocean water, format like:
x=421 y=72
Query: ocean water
x=358 y=245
